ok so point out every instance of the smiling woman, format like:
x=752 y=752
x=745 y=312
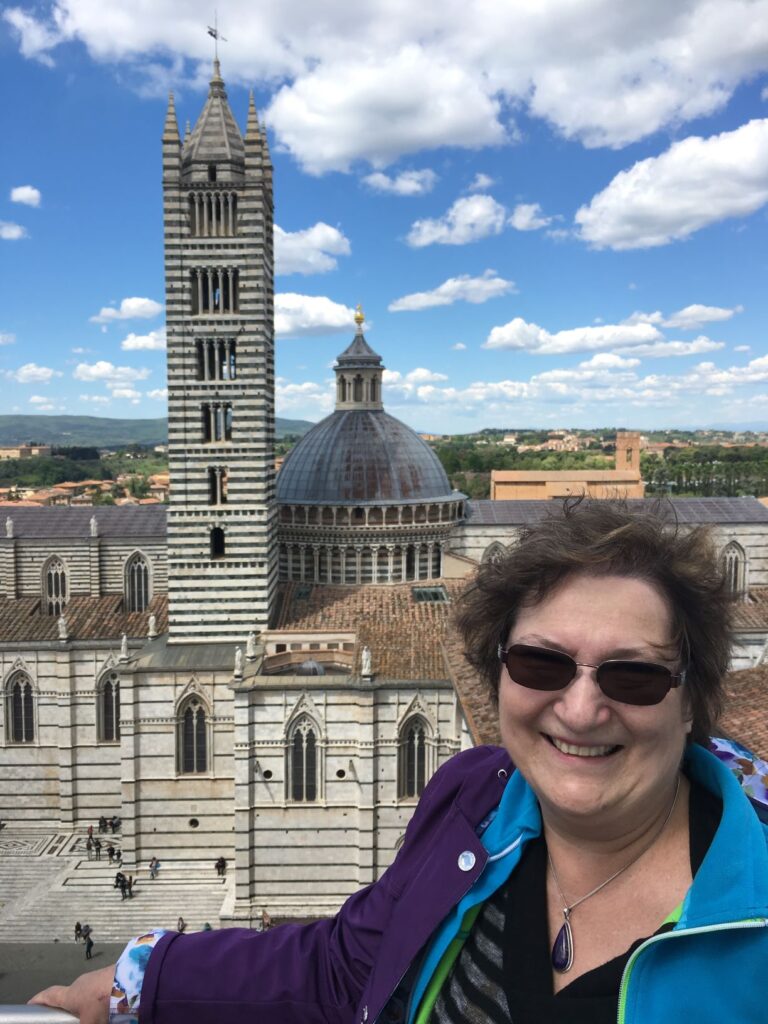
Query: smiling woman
x=603 y=864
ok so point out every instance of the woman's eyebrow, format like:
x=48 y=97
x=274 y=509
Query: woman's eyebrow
x=644 y=651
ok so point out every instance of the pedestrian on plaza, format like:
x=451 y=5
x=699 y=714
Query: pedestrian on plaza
x=102 y=824
x=97 y=848
x=111 y=852
x=78 y=931
x=85 y=931
x=221 y=866
x=118 y=878
x=88 y=947
x=114 y=823
x=119 y=858
x=266 y=920
x=90 y=831
x=89 y=847
x=123 y=887
x=181 y=926
x=154 y=864
x=130 y=887
x=207 y=927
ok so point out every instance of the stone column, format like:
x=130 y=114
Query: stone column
x=391 y=562
x=205 y=214
x=94 y=558
x=67 y=743
x=302 y=560
x=315 y=563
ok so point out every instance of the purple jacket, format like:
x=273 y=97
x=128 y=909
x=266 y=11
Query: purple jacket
x=344 y=970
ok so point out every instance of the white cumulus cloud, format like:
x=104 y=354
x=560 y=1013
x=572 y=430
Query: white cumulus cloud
x=297 y=315
x=158 y=394
x=528 y=217
x=696 y=182
x=129 y=309
x=11 y=232
x=407 y=183
x=459 y=347
x=154 y=341
x=469 y=219
x=125 y=392
x=26 y=194
x=113 y=376
x=311 y=251
x=456 y=289
x=95 y=399
x=31 y=373
x=695 y=315
x=519 y=334
x=378 y=106
x=6 y=338
x=481 y=182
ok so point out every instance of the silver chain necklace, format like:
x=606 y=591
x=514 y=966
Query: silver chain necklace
x=563 y=949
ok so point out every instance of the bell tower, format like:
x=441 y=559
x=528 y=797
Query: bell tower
x=218 y=216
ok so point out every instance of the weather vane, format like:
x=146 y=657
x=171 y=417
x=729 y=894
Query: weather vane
x=216 y=35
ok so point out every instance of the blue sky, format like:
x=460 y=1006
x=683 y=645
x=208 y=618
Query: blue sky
x=553 y=213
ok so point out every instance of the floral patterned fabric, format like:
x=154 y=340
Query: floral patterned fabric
x=129 y=977
x=749 y=769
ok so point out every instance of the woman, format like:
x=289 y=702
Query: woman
x=601 y=863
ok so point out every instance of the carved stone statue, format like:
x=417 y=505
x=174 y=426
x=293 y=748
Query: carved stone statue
x=239 y=663
x=366 y=662
x=250 y=647
x=94 y=527
x=124 y=648
x=62 y=626
x=9 y=527
x=152 y=631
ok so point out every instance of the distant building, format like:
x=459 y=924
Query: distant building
x=25 y=451
x=623 y=481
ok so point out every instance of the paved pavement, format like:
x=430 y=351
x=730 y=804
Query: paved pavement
x=29 y=967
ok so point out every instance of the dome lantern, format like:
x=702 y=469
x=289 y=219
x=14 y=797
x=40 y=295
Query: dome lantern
x=358 y=373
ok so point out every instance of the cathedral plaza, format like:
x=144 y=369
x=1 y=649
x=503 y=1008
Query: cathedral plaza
x=263 y=670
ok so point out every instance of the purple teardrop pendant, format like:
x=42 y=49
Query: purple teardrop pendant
x=562 y=951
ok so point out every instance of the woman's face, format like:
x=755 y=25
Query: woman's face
x=621 y=760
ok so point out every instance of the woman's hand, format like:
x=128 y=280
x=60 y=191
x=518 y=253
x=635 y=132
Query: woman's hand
x=87 y=997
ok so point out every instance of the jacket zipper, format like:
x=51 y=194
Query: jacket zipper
x=759 y=922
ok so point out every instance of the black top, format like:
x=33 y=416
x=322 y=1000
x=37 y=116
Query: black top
x=591 y=998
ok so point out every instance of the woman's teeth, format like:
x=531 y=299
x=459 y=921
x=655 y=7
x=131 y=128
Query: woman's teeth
x=581 y=751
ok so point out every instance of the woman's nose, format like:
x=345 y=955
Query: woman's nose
x=583 y=703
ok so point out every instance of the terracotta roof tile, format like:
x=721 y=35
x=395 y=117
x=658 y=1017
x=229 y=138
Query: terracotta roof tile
x=479 y=709
x=88 y=618
x=404 y=635
x=745 y=717
x=752 y=613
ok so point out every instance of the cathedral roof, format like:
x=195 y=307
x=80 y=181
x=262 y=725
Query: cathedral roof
x=87 y=618
x=361 y=455
x=358 y=354
x=216 y=137
x=485 y=512
x=50 y=522
x=744 y=717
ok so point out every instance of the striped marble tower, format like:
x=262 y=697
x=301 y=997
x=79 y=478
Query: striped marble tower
x=218 y=214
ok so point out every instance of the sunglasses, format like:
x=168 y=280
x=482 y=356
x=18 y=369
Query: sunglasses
x=630 y=682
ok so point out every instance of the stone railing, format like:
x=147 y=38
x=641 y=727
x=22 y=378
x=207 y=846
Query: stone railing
x=34 y=1015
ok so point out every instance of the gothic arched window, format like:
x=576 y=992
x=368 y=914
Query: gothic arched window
x=19 y=709
x=494 y=552
x=108 y=711
x=734 y=563
x=412 y=758
x=192 y=737
x=217 y=542
x=136 y=583
x=55 y=593
x=302 y=771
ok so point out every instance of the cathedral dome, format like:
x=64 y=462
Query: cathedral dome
x=360 y=456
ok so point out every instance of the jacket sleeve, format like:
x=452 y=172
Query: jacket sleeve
x=293 y=974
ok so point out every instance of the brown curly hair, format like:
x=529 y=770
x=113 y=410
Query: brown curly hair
x=602 y=537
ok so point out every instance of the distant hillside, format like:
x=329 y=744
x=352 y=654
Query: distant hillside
x=102 y=432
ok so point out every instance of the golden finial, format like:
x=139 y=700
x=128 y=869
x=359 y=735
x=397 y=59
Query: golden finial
x=359 y=315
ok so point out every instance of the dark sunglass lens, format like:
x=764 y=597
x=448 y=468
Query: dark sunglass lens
x=634 y=682
x=539 y=669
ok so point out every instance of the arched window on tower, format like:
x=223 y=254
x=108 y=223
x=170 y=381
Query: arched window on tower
x=734 y=564
x=302 y=773
x=19 y=709
x=192 y=737
x=136 y=583
x=108 y=710
x=55 y=592
x=412 y=758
